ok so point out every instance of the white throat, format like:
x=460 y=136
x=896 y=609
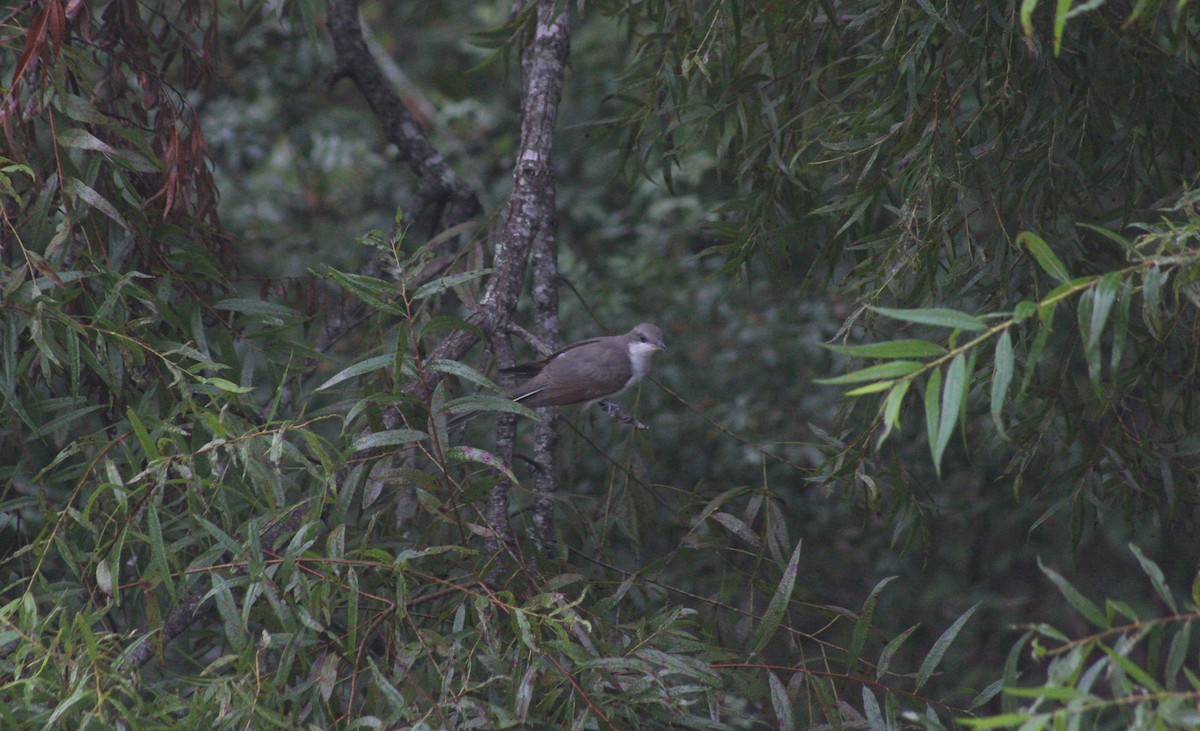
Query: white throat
x=639 y=358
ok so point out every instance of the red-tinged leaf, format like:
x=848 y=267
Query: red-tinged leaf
x=35 y=40
x=44 y=267
x=483 y=457
x=56 y=23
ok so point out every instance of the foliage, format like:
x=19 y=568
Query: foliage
x=205 y=521
x=1163 y=257
x=1115 y=677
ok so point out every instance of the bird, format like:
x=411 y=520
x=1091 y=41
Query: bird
x=588 y=371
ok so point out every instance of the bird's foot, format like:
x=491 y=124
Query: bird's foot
x=620 y=415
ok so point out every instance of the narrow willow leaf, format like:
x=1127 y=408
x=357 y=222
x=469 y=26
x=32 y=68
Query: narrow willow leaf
x=1091 y=355
x=933 y=394
x=736 y=526
x=149 y=446
x=1156 y=578
x=1034 y=357
x=438 y=286
x=870 y=388
x=225 y=385
x=987 y=694
x=1106 y=297
x=939 y=316
x=359 y=368
x=891 y=407
x=1177 y=654
x=1027 y=8
x=79 y=191
x=1044 y=255
x=891 y=349
x=1133 y=670
x=371 y=290
x=389 y=438
x=775 y=610
x=463 y=371
x=1121 y=325
x=1003 y=720
x=858 y=638
x=894 y=369
x=1002 y=375
x=1023 y=311
x=872 y=711
x=939 y=648
x=1114 y=237
x=1082 y=604
x=1011 y=676
x=1152 y=282
x=1060 y=23
x=271 y=311
x=781 y=703
x=889 y=651
x=827 y=699
x=952 y=399
x=484 y=402
x=483 y=457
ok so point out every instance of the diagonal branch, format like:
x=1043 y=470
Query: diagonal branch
x=354 y=60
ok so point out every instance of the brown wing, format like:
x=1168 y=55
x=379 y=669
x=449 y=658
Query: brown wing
x=576 y=374
x=534 y=367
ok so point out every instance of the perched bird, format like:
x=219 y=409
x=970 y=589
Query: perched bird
x=590 y=370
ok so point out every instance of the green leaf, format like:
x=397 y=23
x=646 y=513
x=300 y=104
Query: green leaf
x=933 y=396
x=872 y=712
x=894 y=369
x=1044 y=256
x=225 y=385
x=781 y=703
x=1027 y=8
x=870 y=388
x=483 y=457
x=271 y=312
x=1119 y=240
x=952 y=399
x=891 y=649
x=1153 y=279
x=1156 y=578
x=1121 y=325
x=939 y=648
x=1023 y=311
x=1002 y=375
x=1003 y=720
x=891 y=407
x=1133 y=670
x=80 y=192
x=463 y=371
x=441 y=284
x=371 y=290
x=1178 y=653
x=939 y=316
x=389 y=438
x=1106 y=297
x=1060 y=23
x=359 y=368
x=858 y=638
x=1082 y=604
x=488 y=403
x=143 y=437
x=987 y=694
x=891 y=349
x=778 y=606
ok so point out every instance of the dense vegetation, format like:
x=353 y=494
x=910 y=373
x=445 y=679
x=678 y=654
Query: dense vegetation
x=923 y=451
